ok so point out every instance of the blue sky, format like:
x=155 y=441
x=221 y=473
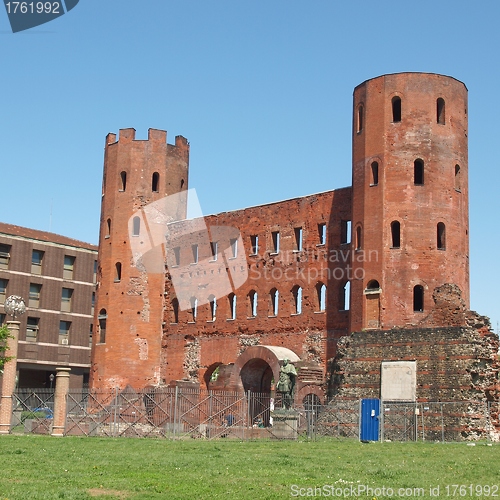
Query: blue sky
x=261 y=89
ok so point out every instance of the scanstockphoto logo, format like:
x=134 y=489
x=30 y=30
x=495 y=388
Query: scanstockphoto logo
x=151 y=233
x=26 y=15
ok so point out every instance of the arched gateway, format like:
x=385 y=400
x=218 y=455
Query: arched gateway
x=254 y=370
x=258 y=365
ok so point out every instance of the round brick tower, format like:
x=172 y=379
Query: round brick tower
x=410 y=197
x=139 y=176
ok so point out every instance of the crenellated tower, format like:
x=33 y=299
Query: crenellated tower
x=138 y=175
x=410 y=197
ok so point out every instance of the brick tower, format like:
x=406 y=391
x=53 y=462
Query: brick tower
x=129 y=303
x=410 y=197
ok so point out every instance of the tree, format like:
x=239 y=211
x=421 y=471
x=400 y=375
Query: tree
x=4 y=335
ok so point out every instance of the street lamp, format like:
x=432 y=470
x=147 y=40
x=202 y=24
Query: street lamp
x=51 y=378
x=14 y=306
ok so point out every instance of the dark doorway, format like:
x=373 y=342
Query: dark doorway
x=256 y=377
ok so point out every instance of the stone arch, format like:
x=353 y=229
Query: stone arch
x=209 y=372
x=310 y=389
x=257 y=365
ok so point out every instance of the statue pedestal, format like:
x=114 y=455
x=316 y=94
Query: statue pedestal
x=285 y=423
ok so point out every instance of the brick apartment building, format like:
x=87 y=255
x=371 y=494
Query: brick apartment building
x=55 y=275
x=221 y=301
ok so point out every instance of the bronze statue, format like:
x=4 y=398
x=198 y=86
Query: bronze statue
x=286 y=383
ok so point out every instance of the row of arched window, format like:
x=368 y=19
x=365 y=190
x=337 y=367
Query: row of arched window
x=254 y=307
x=418 y=294
x=155 y=182
x=396 y=236
x=418 y=174
x=396 y=107
x=136 y=227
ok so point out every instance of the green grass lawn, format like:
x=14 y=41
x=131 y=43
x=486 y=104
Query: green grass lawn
x=41 y=467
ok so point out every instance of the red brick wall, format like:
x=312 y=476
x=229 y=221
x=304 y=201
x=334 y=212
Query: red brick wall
x=130 y=354
x=190 y=348
x=418 y=208
x=140 y=351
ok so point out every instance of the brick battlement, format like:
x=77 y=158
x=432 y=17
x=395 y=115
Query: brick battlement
x=126 y=135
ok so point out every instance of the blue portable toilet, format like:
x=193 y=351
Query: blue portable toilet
x=370 y=422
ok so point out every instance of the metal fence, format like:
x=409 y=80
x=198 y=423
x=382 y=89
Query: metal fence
x=33 y=410
x=177 y=413
x=440 y=421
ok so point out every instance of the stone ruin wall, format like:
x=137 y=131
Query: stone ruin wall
x=458 y=363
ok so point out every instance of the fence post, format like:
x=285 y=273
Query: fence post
x=249 y=411
x=9 y=377
x=115 y=411
x=208 y=434
x=175 y=407
x=381 y=421
x=60 y=395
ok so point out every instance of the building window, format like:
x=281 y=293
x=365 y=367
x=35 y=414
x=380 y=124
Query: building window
x=396 y=109
x=95 y=272
x=175 y=311
x=298 y=238
x=136 y=226
x=252 y=299
x=322 y=233
x=373 y=285
x=345 y=232
x=155 y=183
x=234 y=247
x=297 y=299
x=2 y=319
x=345 y=297
x=123 y=181
x=321 y=292
x=274 y=302
x=93 y=303
x=34 y=295
x=254 y=244
x=91 y=334
x=36 y=261
x=194 y=308
x=418 y=298
x=440 y=111
x=32 y=329
x=67 y=294
x=118 y=272
x=177 y=255
x=213 y=307
x=358 y=238
x=3 y=290
x=395 y=234
x=360 y=118
x=64 y=327
x=4 y=256
x=194 y=250
x=374 y=174
x=441 y=236
x=232 y=305
x=108 y=229
x=214 y=247
x=458 y=178
x=102 y=318
x=275 y=235
x=418 y=172
x=69 y=265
